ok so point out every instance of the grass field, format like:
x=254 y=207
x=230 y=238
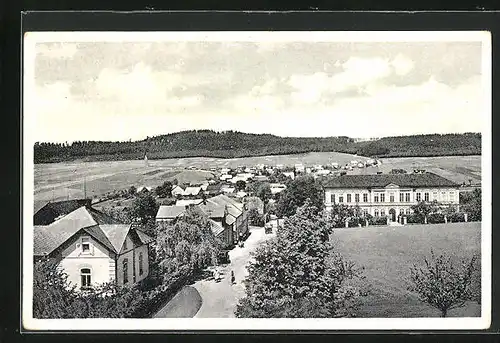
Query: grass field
x=65 y=180
x=387 y=252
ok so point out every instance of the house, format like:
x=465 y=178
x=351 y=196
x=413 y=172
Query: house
x=213 y=189
x=289 y=174
x=177 y=191
x=227 y=189
x=225 y=170
x=261 y=177
x=48 y=212
x=241 y=194
x=299 y=168
x=144 y=189
x=236 y=215
x=216 y=215
x=277 y=188
x=280 y=166
x=93 y=248
x=192 y=191
x=187 y=202
x=225 y=177
x=389 y=194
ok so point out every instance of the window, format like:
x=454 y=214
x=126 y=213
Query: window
x=443 y=196
x=419 y=197
x=85 y=244
x=452 y=196
x=365 y=197
x=125 y=270
x=365 y=211
x=426 y=196
x=382 y=197
x=408 y=211
x=391 y=198
x=85 y=275
x=401 y=211
x=356 y=197
x=375 y=198
x=332 y=198
x=141 y=261
x=348 y=198
x=125 y=245
x=407 y=197
x=382 y=213
x=376 y=213
x=341 y=198
x=401 y=197
x=434 y=195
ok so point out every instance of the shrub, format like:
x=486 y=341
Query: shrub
x=378 y=220
x=457 y=217
x=415 y=218
x=435 y=218
x=355 y=221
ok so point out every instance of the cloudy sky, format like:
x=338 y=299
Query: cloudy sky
x=127 y=90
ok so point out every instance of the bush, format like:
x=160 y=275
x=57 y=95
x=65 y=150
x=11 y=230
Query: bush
x=355 y=221
x=457 y=217
x=435 y=218
x=415 y=218
x=255 y=218
x=378 y=220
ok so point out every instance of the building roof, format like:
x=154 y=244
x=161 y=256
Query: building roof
x=105 y=229
x=234 y=207
x=186 y=202
x=212 y=210
x=217 y=229
x=192 y=190
x=50 y=211
x=170 y=212
x=382 y=180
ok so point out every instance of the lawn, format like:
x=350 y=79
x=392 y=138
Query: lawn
x=184 y=304
x=386 y=254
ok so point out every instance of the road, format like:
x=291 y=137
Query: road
x=220 y=298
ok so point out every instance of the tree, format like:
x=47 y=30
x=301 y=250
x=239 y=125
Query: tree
x=340 y=213
x=164 y=190
x=240 y=185
x=255 y=218
x=188 y=241
x=424 y=208
x=296 y=274
x=144 y=208
x=441 y=284
x=397 y=171
x=470 y=203
x=296 y=194
x=132 y=191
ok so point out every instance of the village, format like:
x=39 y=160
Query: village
x=94 y=244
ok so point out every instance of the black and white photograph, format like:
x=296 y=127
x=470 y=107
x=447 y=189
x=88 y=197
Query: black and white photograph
x=257 y=180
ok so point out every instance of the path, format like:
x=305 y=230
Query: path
x=220 y=298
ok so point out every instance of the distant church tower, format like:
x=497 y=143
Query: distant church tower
x=146 y=162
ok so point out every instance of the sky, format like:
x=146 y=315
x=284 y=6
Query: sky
x=131 y=90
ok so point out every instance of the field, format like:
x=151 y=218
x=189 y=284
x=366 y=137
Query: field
x=59 y=181
x=386 y=253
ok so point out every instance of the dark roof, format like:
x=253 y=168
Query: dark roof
x=105 y=229
x=382 y=180
x=145 y=238
x=48 y=213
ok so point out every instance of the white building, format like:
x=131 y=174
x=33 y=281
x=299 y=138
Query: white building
x=389 y=194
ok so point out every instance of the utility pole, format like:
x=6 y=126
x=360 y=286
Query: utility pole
x=84 y=188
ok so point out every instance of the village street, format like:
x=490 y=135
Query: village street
x=220 y=298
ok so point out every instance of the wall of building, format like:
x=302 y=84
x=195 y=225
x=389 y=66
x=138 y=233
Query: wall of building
x=445 y=196
x=130 y=252
x=99 y=260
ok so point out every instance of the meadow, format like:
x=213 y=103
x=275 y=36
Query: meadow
x=58 y=181
x=385 y=255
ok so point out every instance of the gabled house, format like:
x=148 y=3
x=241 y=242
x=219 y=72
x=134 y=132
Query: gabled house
x=177 y=191
x=187 y=202
x=192 y=191
x=236 y=215
x=93 y=248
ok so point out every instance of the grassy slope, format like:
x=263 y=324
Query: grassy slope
x=386 y=253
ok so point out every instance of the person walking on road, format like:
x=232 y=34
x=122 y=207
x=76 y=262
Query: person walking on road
x=232 y=277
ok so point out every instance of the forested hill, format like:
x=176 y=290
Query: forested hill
x=231 y=144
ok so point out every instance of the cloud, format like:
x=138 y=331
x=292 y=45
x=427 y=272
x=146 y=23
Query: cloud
x=60 y=50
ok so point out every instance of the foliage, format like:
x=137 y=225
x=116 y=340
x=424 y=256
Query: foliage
x=435 y=218
x=415 y=218
x=442 y=284
x=457 y=217
x=55 y=297
x=382 y=220
x=255 y=218
x=164 y=190
x=470 y=203
x=188 y=241
x=296 y=194
x=424 y=208
x=397 y=171
x=132 y=191
x=120 y=214
x=240 y=185
x=340 y=213
x=144 y=208
x=232 y=144
x=296 y=274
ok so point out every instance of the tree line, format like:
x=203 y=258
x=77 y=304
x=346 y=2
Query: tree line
x=233 y=144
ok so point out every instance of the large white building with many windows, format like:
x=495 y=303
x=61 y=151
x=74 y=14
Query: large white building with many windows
x=389 y=194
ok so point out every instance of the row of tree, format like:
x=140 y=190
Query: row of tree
x=232 y=144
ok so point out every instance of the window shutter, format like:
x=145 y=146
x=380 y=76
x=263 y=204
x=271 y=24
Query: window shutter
x=92 y=249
